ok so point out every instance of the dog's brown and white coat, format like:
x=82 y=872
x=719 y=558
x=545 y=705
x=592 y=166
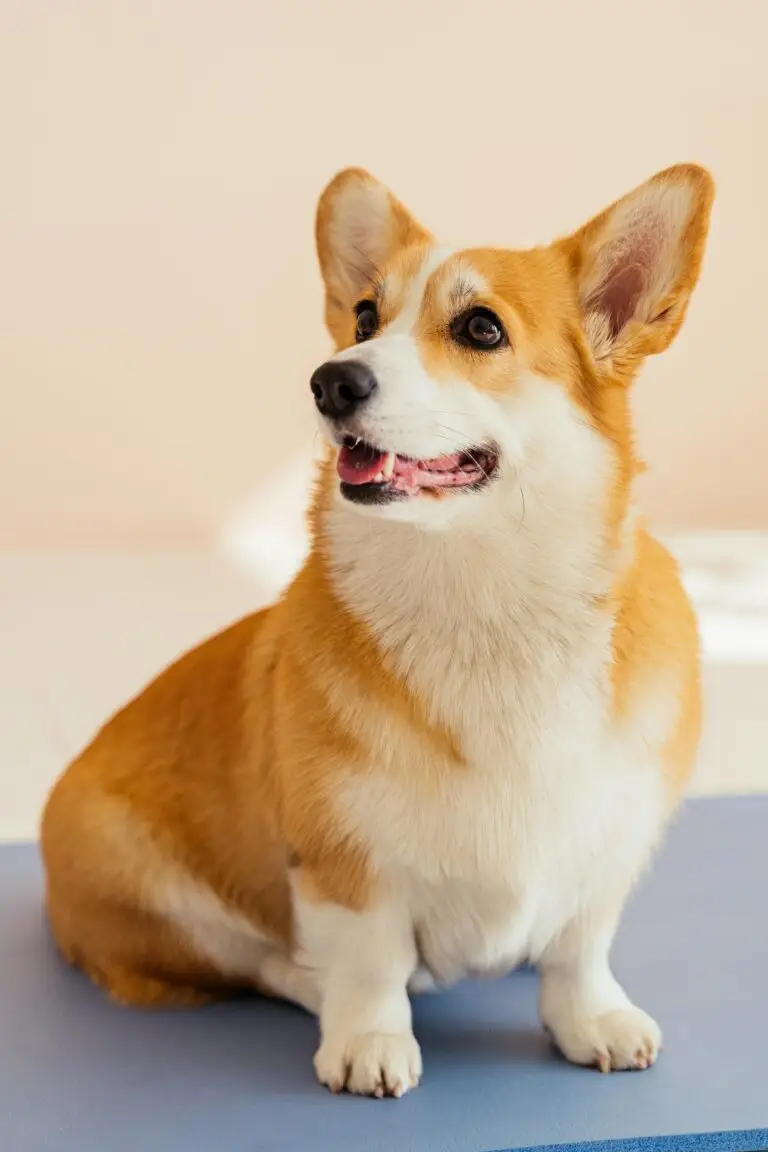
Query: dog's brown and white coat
x=455 y=742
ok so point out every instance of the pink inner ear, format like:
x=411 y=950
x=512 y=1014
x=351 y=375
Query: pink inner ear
x=618 y=297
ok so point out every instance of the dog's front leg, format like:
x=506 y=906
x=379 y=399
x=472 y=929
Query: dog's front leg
x=363 y=960
x=589 y=1015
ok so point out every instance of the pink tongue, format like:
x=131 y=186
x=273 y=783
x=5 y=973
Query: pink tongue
x=359 y=465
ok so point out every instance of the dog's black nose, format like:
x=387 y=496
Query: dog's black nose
x=342 y=386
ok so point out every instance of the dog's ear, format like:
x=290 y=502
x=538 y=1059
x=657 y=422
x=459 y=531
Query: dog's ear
x=359 y=227
x=637 y=263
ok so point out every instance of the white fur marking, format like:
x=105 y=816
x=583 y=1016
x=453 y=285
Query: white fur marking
x=363 y=962
x=229 y=941
x=224 y=937
x=499 y=628
x=412 y=413
x=407 y=317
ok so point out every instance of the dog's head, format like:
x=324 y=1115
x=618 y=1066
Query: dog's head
x=458 y=373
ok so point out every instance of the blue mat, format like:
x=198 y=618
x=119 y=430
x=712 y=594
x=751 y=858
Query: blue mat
x=79 y=1075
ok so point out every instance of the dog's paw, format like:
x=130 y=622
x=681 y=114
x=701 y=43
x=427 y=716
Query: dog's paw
x=370 y=1064
x=625 y=1039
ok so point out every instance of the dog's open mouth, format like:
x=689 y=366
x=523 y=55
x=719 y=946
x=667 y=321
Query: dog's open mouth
x=370 y=475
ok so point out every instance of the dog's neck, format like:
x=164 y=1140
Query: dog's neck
x=487 y=624
x=531 y=567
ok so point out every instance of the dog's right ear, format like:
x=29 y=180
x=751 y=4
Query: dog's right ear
x=359 y=227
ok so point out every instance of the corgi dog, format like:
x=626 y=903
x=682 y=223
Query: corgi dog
x=454 y=743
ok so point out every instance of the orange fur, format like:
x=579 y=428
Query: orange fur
x=655 y=633
x=226 y=759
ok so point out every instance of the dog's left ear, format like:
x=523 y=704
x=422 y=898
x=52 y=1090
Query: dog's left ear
x=637 y=263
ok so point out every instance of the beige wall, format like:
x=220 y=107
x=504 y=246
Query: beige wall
x=159 y=304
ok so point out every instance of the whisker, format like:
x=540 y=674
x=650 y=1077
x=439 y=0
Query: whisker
x=477 y=464
x=466 y=452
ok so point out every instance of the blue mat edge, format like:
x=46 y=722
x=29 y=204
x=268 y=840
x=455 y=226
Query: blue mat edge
x=747 y=1140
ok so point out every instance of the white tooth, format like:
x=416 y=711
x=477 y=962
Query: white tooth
x=357 y=441
x=388 y=467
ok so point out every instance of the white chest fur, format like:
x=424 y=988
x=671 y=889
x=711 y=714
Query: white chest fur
x=553 y=813
x=501 y=635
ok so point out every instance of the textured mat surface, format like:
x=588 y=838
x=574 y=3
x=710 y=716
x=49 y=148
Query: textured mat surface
x=79 y=1075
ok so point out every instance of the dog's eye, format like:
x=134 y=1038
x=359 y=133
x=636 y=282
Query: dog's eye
x=480 y=328
x=367 y=321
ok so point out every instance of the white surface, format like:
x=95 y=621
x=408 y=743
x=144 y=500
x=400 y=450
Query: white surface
x=82 y=632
